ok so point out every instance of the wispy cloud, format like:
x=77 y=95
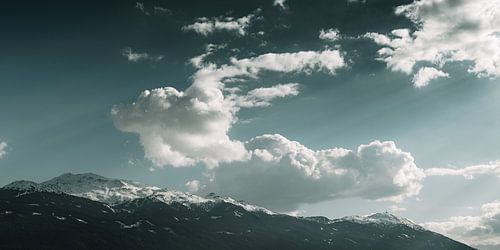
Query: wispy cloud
x=136 y=57
x=469 y=172
x=3 y=149
x=141 y=8
x=206 y=26
x=477 y=230
x=281 y=4
x=158 y=10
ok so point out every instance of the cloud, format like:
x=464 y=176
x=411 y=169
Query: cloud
x=447 y=31
x=261 y=97
x=282 y=174
x=198 y=61
x=141 y=8
x=427 y=74
x=157 y=10
x=396 y=209
x=193 y=186
x=307 y=61
x=3 y=149
x=161 y=10
x=281 y=4
x=136 y=57
x=479 y=230
x=206 y=26
x=329 y=35
x=183 y=128
x=468 y=172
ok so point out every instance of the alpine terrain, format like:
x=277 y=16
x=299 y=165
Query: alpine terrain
x=88 y=211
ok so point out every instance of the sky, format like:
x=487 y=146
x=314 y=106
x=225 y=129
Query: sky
x=320 y=107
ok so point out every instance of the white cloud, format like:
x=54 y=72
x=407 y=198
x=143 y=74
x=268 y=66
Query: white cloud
x=183 y=128
x=478 y=230
x=3 y=149
x=178 y=129
x=161 y=10
x=135 y=57
x=396 y=209
x=283 y=174
x=261 y=97
x=308 y=61
x=427 y=74
x=206 y=26
x=329 y=34
x=198 y=61
x=280 y=4
x=193 y=186
x=447 y=31
x=468 y=172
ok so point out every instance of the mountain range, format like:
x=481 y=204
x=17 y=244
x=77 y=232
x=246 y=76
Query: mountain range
x=88 y=211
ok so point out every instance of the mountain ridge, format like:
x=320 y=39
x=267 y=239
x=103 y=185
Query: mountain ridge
x=180 y=220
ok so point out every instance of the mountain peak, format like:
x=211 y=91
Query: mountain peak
x=21 y=185
x=114 y=191
x=384 y=218
x=90 y=186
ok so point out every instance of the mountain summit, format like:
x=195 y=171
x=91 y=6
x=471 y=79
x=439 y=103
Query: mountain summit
x=88 y=211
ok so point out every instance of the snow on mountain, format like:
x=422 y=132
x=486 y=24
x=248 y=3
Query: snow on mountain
x=114 y=191
x=385 y=218
x=21 y=185
x=98 y=188
x=90 y=186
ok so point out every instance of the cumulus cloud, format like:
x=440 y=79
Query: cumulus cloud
x=136 y=57
x=178 y=129
x=3 y=149
x=469 y=172
x=280 y=4
x=427 y=74
x=183 y=128
x=329 y=34
x=282 y=174
x=447 y=31
x=478 y=230
x=206 y=26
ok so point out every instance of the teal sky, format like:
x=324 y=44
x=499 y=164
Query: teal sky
x=62 y=70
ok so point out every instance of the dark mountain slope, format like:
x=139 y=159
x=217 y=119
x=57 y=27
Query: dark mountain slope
x=46 y=220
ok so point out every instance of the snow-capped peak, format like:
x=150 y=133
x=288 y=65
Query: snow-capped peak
x=21 y=185
x=114 y=191
x=90 y=186
x=385 y=218
x=98 y=188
